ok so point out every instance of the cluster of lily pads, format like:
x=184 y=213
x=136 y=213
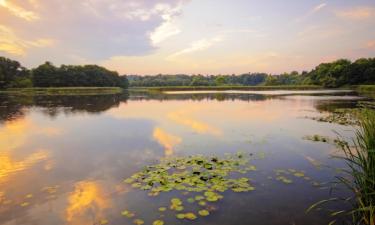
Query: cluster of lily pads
x=319 y=138
x=346 y=117
x=202 y=178
x=285 y=176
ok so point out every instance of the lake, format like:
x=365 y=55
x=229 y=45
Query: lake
x=63 y=159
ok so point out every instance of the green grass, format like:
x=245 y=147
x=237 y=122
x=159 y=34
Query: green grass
x=361 y=162
x=63 y=91
x=366 y=88
x=223 y=88
x=359 y=178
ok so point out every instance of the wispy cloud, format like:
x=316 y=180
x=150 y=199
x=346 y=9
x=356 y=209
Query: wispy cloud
x=168 y=28
x=318 y=7
x=196 y=46
x=313 y=11
x=358 y=13
x=12 y=44
x=167 y=140
x=19 y=11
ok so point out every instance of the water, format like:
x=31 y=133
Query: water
x=63 y=158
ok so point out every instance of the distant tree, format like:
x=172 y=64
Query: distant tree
x=48 y=75
x=12 y=74
x=199 y=80
x=45 y=75
x=220 y=80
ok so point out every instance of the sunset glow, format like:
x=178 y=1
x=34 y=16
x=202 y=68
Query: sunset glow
x=187 y=36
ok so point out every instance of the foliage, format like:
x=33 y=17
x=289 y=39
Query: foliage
x=334 y=74
x=12 y=74
x=48 y=75
x=359 y=178
x=196 y=80
x=204 y=178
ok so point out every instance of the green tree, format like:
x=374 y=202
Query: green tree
x=12 y=74
x=220 y=80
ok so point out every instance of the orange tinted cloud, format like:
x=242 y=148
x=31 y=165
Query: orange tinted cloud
x=358 y=13
x=168 y=141
x=9 y=166
x=183 y=118
x=12 y=44
x=371 y=44
x=19 y=11
x=86 y=200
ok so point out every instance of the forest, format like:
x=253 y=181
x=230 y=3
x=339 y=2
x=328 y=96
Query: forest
x=334 y=74
x=14 y=75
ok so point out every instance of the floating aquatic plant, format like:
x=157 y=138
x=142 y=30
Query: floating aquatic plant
x=344 y=117
x=206 y=176
x=324 y=139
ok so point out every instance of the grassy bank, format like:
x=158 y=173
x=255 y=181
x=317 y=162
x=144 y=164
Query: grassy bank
x=361 y=162
x=63 y=91
x=224 y=88
x=366 y=90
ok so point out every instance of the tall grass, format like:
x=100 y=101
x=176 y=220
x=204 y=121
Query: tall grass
x=361 y=164
x=359 y=178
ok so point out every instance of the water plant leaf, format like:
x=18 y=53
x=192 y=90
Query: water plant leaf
x=103 y=222
x=190 y=216
x=299 y=174
x=158 y=222
x=162 y=209
x=127 y=214
x=138 y=222
x=180 y=216
x=203 y=212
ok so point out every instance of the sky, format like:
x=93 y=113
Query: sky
x=148 y=37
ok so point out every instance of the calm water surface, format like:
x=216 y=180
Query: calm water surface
x=63 y=158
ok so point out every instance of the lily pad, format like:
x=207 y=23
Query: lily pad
x=190 y=216
x=203 y=212
x=138 y=221
x=127 y=214
x=162 y=209
x=180 y=216
x=158 y=222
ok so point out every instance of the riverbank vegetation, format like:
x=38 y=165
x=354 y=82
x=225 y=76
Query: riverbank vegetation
x=224 y=88
x=334 y=74
x=361 y=163
x=14 y=75
x=359 y=177
x=63 y=91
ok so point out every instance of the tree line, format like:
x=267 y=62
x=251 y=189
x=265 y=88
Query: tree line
x=334 y=74
x=14 y=75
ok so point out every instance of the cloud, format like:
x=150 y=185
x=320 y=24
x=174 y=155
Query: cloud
x=18 y=10
x=358 y=13
x=318 y=7
x=314 y=10
x=168 y=141
x=91 y=29
x=182 y=117
x=168 y=28
x=200 y=45
x=371 y=44
x=88 y=196
x=12 y=44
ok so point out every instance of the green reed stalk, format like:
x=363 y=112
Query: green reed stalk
x=360 y=175
x=361 y=163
